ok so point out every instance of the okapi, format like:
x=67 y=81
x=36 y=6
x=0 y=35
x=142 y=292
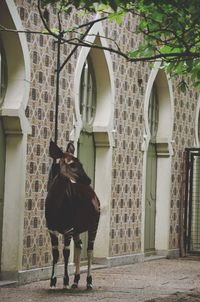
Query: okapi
x=71 y=208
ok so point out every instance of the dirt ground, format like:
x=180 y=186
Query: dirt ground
x=153 y=281
x=193 y=296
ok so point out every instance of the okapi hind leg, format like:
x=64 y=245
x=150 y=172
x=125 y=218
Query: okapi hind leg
x=91 y=238
x=55 y=254
x=77 y=256
x=89 y=276
x=66 y=252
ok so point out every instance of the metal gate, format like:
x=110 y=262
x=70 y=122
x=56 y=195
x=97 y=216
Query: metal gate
x=192 y=202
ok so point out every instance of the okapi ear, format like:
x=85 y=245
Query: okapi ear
x=54 y=151
x=70 y=148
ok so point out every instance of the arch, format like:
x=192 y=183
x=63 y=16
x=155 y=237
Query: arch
x=102 y=127
x=165 y=92
x=164 y=152
x=18 y=71
x=16 y=128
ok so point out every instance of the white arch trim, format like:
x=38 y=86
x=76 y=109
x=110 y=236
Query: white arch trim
x=16 y=128
x=165 y=152
x=147 y=135
x=103 y=122
x=102 y=128
x=16 y=98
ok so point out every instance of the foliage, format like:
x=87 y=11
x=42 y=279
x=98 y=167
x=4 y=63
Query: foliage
x=171 y=30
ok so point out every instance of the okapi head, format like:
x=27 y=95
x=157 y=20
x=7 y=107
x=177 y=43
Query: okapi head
x=70 y=166
x=55 y=152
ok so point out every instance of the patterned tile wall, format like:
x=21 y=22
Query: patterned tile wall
x=125 y=235
x=184 y=136
x=40 y=111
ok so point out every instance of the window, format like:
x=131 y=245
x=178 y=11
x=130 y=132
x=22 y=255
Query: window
x=153 y=113
x=3 y=74
x=87 y=94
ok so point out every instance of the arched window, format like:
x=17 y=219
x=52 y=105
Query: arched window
x=87 y=94
x=153 y=113
x=151 y=176
x=3 y=73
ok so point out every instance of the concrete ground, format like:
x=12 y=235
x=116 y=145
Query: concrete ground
x=153 y=281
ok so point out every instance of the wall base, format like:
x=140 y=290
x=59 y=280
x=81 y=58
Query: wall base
x=175 y=253
x=42 y=273
x=38 y=274
x=136 y=258
x=32 y=275
x=120 y=260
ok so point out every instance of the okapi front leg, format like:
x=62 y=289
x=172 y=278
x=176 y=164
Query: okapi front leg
x=55 y=254
x=77 y=258
x=91 y=238
x=66 y=253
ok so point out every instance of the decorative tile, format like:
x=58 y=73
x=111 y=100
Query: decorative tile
x=130 y=86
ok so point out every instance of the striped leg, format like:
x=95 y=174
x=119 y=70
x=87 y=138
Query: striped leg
x=55 y=254
x=66 y=252
x=91 y=238
x=77 y=256
x=89 y=276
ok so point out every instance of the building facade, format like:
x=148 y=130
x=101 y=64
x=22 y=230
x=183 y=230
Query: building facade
x=130 y=126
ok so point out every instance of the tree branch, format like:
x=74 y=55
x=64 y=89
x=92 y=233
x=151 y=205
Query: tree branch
x=3 y=28
x=43 y=21
x=81 y=42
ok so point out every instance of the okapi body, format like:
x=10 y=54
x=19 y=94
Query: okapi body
x=71 y=208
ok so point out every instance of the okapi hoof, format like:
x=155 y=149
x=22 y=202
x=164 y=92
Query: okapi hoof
x=53 y=282
x=66 y=283
x=89 y=283
x=89 y=286
x=76 y=281
x=74 y=285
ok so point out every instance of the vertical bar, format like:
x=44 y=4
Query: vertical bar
x=195 y=206
x=57 y=88
x=197 y=218
x=190 y=202
x=186 y=202
x=182 y=207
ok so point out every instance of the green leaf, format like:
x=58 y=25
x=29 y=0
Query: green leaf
x=134 y=54
x=197 y=84
x=117 y=17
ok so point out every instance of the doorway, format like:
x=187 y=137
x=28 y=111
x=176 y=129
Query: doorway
x=86 y=155
x=3 y=85
x=191 y=229
x=151 y=175
x=86 y=144
x=2 y=179
x=159 y=116
x=94 y=114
